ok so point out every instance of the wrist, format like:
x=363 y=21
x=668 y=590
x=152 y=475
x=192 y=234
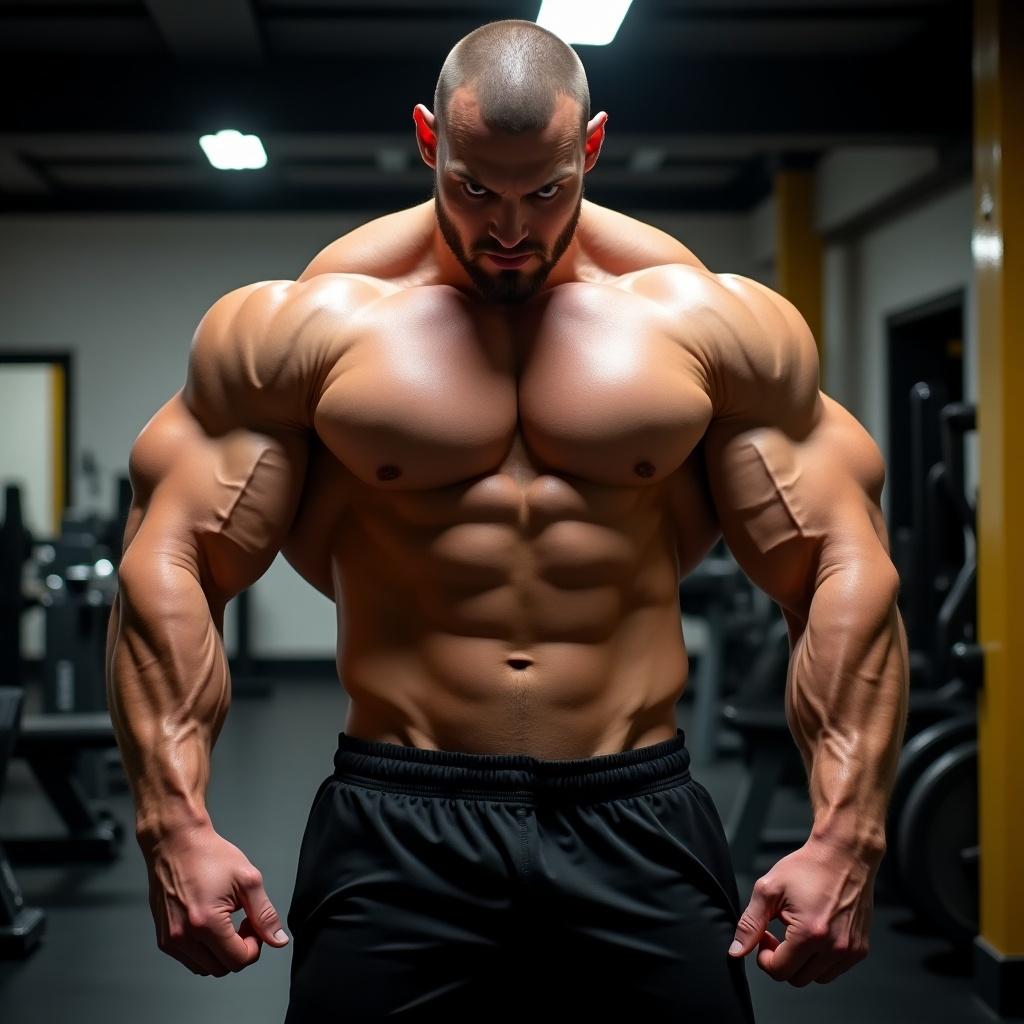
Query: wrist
x=155 y=828
x=861 y=838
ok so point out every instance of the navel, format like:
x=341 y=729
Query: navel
x=388 y=472
x=644 y=469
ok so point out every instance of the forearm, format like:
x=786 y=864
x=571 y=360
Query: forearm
x=168 y=690
x=846 y=703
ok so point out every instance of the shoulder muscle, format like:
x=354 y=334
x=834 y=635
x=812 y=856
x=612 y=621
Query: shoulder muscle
x=768 y=367
x=260 y=351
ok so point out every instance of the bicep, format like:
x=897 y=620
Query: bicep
x=219 y=506
x=794 y=509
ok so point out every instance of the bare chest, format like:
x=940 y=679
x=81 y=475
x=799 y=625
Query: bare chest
x=432 y=390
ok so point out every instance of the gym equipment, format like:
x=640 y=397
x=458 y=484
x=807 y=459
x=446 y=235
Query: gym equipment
x=80 y=584
x=15 y=550
x=937 y=844
x=758 y=714
x=52 y=745
x=77 y=582
x=928 y=552
x=68 y=747
x=918 y=753
x=956 y=655
x=710 y=592
x=21 y=927
x=933 y=818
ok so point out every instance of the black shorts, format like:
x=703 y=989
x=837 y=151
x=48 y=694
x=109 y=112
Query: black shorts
x=503 y=886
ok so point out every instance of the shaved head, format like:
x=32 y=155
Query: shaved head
x=510 y=140
x=517 y=70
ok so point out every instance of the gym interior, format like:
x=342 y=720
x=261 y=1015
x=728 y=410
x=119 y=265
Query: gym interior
x=864 y=159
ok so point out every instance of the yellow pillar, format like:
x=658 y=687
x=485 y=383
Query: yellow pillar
x=58 y=399
x=798 y=250
x=999 y=275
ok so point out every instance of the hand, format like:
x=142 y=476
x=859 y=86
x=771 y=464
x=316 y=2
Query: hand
x=823 y=894
x=197 y=880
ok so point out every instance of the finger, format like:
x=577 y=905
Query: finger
x=815 y=968
x=253 y=942
x=198 y=962
x=199 y=959
x=232 y=950
x=768 y=944
x=191 y=955
x=261 y=914
x=754 y=920
x=786 y=959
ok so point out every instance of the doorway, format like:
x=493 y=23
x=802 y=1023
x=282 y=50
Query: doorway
x=35 y=439
x=926 y=354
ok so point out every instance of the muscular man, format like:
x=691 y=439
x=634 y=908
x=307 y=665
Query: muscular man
x=497 y=429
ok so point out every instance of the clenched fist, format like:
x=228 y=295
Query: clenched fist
x=197 y=879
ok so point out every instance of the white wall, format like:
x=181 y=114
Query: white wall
x=913 y=257
x=922 y=255
x=851 y=179
x=721 y=241
x=124 y=293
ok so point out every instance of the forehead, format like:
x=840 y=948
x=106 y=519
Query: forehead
x=472 y=146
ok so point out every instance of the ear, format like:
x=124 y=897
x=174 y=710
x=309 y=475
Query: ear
x=426 y=134
x=595 y=139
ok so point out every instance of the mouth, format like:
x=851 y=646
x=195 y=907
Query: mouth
x=508 y=262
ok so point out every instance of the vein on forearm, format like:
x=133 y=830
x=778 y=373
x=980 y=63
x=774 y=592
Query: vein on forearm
x=846 y=694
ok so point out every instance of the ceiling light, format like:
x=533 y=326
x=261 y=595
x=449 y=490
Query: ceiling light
x=229 y=150
x=593 y=23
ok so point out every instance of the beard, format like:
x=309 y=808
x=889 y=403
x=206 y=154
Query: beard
x=506 y=286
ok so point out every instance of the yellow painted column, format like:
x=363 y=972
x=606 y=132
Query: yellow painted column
x=58 y=398
x=998 y=247
x=798 y=250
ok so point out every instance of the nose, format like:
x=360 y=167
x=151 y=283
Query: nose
x=508 y=229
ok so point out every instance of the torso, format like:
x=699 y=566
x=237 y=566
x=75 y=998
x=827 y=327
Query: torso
x=502 y=504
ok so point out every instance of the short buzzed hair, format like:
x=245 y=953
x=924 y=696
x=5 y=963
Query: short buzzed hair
x=517 y=70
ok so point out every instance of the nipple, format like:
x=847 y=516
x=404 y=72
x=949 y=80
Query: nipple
x=388 y=472
x=644 y=468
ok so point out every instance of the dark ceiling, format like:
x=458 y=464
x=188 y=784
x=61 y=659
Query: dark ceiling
x=104 y=102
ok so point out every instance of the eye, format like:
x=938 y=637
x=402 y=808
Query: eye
x=468 y=186
x=557 y=188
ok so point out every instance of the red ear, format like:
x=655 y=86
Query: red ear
x=423 y=132
x=594 y=142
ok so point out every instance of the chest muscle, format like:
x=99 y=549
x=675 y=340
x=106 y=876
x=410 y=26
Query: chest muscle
x=433 y=390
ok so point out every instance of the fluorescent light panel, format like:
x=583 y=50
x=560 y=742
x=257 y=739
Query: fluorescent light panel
x=590 y=22
x=230 y=150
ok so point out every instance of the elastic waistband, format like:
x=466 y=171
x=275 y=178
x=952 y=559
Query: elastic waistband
x=511 y=777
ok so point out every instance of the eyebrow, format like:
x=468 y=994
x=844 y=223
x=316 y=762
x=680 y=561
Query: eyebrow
x=461 y=169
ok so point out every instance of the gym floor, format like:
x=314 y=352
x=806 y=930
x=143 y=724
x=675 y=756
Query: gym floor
x=99 y=960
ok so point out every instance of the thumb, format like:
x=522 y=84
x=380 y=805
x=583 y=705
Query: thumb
x=753 y=923
x=262 y=915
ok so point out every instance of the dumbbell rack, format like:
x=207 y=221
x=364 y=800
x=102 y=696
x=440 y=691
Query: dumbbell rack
x=21 y=927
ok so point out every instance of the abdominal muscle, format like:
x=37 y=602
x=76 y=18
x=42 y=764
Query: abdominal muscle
x=485 y=638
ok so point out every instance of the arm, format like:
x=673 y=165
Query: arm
x=216 y=477
x=797 y=482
